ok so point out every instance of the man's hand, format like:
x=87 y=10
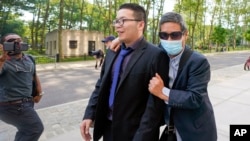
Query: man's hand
x=3 y=56
x=156 y=85
x=115 y=45
x=84 y=127
x=37 y=98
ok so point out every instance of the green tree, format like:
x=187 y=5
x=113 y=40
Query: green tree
x=14 y=26
x=247 y=35
x=232 y=15
x=193 y=12
x=219 y=36
x=61 y=18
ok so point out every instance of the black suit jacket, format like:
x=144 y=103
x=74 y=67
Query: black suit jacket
x=192 y=110
x=137 y=115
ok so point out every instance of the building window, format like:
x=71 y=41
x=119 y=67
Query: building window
x=72 y=44
x=54 y=45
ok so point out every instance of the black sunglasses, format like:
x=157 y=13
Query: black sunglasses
x=174 y=35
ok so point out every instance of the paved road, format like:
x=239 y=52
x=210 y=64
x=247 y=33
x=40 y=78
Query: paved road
x=62 y=86
x=223 y=60
x=66 y=85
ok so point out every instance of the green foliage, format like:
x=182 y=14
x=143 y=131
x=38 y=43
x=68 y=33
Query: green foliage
x=209 y=21
x=14 y=26
x=219 y=35
x=34 y=52
x=247 y=35
x=41 y=58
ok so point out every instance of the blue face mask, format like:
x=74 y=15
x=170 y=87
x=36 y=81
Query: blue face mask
x=172 y=47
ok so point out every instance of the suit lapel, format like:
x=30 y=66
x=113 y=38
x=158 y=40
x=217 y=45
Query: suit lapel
x=108 y=64
x=111 y=58
x=184 y=58
x=134 y=58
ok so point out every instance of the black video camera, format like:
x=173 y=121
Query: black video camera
x=15 y=46
x=97 y=52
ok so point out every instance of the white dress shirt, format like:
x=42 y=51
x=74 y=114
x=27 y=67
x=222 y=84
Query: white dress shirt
x=173 y=69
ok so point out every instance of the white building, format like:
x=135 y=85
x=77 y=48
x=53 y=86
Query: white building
x=74 y=42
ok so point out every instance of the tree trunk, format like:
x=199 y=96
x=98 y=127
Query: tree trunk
x=44 y=23
x=61 y=55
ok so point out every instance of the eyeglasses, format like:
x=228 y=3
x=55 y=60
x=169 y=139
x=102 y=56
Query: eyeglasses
x=120 y=22
x=174 y=35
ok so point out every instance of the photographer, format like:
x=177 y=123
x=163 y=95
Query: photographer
x=16 y=78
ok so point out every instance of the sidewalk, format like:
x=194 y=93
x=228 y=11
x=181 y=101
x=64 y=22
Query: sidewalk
x=229 y=91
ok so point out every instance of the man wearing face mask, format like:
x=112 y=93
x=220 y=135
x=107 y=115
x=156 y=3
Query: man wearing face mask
x=186 y=95
x=16 y=102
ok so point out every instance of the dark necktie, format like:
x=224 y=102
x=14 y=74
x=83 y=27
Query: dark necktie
x=117 y=69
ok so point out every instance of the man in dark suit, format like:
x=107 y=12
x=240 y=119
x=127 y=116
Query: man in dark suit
x=108 y=40
x=186 y=93
x=134 y=114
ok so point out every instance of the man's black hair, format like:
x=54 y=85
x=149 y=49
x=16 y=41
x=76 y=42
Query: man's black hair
x=139 y=11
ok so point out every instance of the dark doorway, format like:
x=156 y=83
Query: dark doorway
x=91 y=47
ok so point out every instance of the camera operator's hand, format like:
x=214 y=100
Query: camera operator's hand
x=1 y=48
x=3 y=54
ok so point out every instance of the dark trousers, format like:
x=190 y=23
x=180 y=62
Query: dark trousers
x=24 y=118
x=100 y=60
x=107 y=136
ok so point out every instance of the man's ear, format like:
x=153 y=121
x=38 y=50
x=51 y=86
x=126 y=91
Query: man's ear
x=185 y=35
x=141 y=25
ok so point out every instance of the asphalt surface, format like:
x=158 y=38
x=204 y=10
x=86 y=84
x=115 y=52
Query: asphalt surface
x=63 y=85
